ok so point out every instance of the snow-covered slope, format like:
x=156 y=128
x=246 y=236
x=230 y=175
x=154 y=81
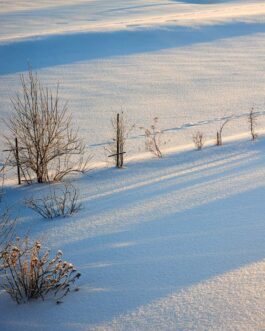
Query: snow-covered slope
x=170 y=244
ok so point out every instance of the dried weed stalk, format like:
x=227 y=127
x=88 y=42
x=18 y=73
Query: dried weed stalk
x=153 y=138
x=219 y=139
x=199 y=140
x=252 y=119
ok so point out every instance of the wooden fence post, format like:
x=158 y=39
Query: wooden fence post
x=18 y=162
x=118 y=142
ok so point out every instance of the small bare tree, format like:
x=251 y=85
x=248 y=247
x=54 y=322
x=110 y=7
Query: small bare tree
x=63 y=201
x=153 y=138
x=219 y=140
x=252 y=119
x=199 y=140
x=49 y=148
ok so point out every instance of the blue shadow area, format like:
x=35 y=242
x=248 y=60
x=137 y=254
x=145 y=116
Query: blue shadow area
x=151 y=261
x=66 y=49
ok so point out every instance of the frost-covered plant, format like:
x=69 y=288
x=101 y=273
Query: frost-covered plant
x=199 y=140
x=28 y=273
x=61 y=201
x=153 y=138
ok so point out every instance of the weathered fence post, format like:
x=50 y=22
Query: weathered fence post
x=16 y=151
x=118 y=142
x=18 y=162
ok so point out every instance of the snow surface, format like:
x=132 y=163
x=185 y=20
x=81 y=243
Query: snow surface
x=171 y=244
x=185 y=62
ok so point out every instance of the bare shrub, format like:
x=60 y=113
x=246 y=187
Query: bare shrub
x=120 y=133
x=62 y=201
x=199 y=140
x=49 y=147
x=252 y=119
x=153 y=138
x=219 y=140
x=28 y=273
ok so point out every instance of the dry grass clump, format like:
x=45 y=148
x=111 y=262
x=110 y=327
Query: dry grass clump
x=27 y=273
x=199 y=140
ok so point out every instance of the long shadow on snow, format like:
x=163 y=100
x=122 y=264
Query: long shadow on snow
x=54 y=50
x=180 y=176
x=150 y=260
x=153 y=260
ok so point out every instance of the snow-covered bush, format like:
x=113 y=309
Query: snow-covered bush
x=28 y=273
x=49 y=147
x=199 y=140
x=60 y=201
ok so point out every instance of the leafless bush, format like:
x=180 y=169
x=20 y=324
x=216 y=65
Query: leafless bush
x=49 y=148
x=153 y=138
x=28 y=273
x=252 y=119
x=199 y=140
x=219 y=140
x=121 y=131
x=62 y=201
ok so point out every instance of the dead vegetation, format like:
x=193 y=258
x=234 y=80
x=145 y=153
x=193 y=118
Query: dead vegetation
x=153 y=139
x=252 y=120
x=219 y=138
x=198 y=139
x=61 y=201
x=49 y=148
x=27 y=273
